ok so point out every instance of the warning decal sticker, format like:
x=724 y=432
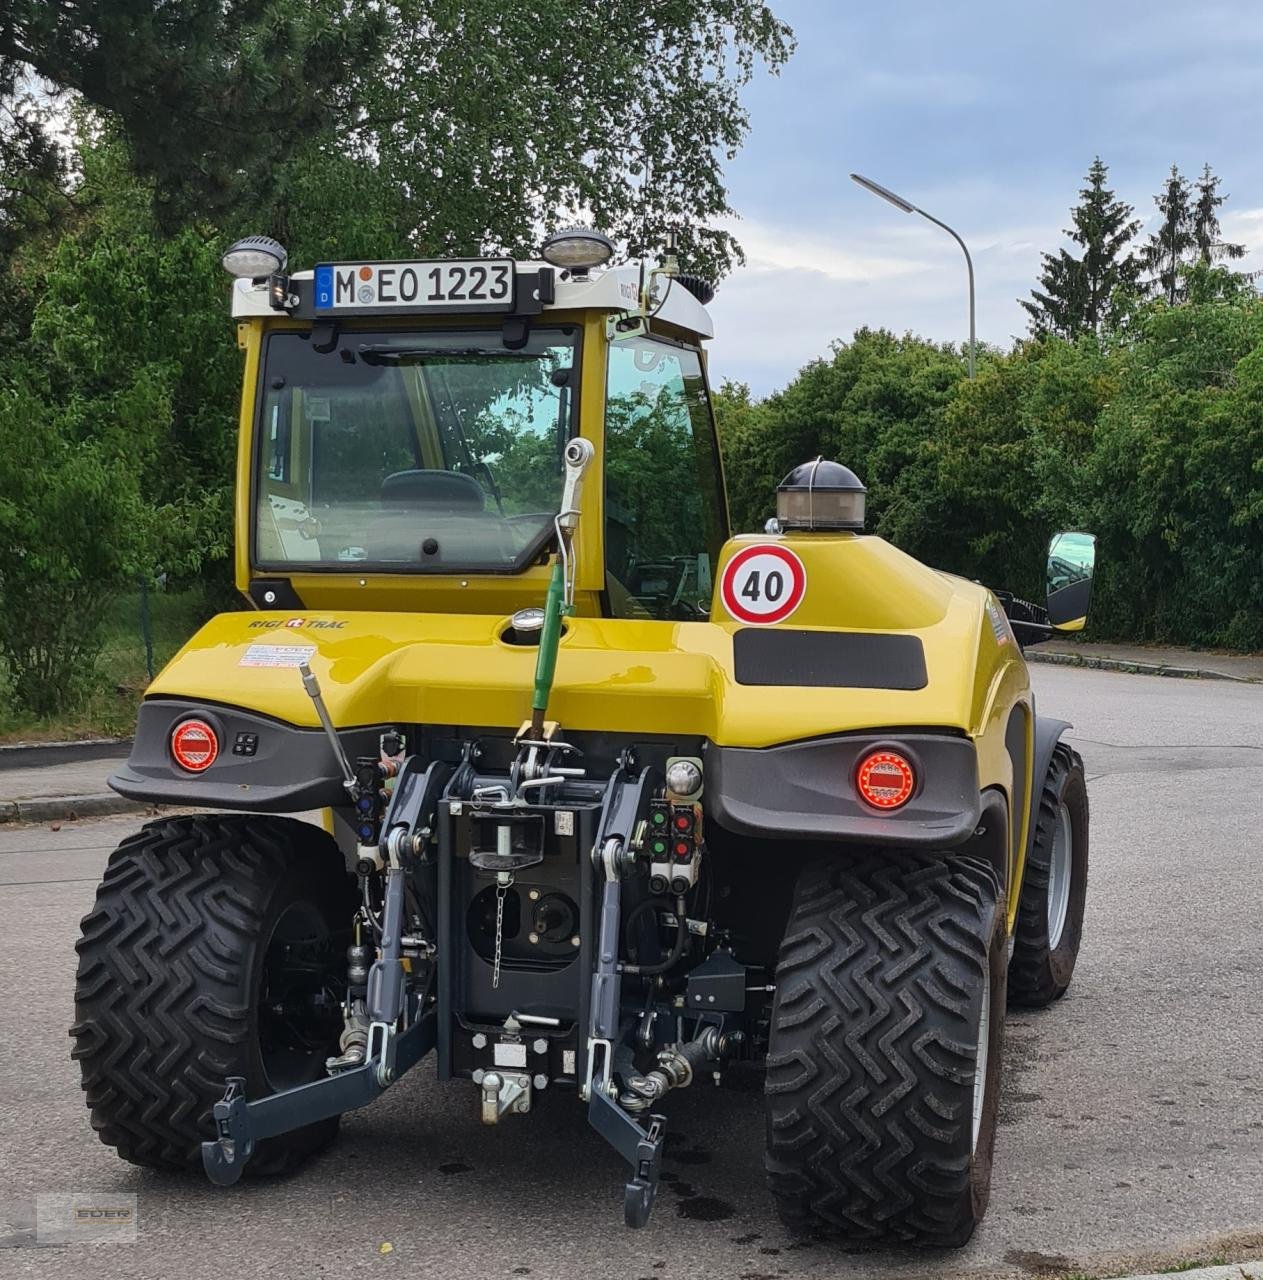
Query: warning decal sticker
x=763 y=584
x=277 y=655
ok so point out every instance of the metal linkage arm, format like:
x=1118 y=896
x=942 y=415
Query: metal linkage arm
x=239 y=1124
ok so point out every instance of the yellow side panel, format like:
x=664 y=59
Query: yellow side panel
x=622 y=676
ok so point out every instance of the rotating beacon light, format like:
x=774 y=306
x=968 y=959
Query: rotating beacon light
x=821 y=495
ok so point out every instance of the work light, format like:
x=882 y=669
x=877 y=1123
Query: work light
x=577 y=248
x=255 y=257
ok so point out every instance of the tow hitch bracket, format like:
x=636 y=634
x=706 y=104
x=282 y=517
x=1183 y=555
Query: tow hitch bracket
x=239 y=1124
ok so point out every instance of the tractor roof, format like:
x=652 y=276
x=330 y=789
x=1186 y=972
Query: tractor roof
x=613 y=290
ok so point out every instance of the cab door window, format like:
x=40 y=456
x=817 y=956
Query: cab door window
x=665 y=519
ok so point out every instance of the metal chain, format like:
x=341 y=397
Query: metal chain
x=502 y=891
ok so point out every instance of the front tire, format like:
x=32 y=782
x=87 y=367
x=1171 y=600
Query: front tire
x=884 y=1053
x=1054 y=887
x=216 y=948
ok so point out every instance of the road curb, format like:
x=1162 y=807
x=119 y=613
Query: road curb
x=34 y=755
x=66 y=808
x=1236 y=1271
x=1135 y=668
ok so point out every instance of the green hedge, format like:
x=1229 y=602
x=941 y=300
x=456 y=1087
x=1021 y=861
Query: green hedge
x=1151 y=437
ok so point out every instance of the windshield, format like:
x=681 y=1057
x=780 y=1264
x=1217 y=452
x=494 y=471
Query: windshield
x=411 y=452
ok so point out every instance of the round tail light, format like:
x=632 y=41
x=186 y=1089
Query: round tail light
x=885 y=779
x=194 y=745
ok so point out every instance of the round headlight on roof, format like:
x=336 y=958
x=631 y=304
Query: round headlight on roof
x=255 y=257
x=821 y=495
x=577 y=249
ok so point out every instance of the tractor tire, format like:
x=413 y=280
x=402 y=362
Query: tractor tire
x=216 y=948
x=889 y=1007
x=1054 y=887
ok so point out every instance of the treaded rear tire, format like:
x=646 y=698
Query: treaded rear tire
x=1038 y=972
x=873 y=1046
x=171 y=966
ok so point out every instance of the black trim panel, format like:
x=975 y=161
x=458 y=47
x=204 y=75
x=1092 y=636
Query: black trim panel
x=1015 y=745
x=806 y=790
x=1047 y=734
x=292 y=769
x=828 y=659
x=280 y=589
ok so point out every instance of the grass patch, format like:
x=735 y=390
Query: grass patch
x=1193 y=1264
x=122 y=670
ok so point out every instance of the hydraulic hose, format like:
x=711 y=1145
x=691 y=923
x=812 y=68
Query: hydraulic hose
x=633 y=919
x=677 y=948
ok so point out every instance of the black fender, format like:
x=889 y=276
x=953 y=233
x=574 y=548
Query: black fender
x=1047 y=734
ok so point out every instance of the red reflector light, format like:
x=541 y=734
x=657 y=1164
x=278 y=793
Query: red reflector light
x=194 y=745
x=885 y=779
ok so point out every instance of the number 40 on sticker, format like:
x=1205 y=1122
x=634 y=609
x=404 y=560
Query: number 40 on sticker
x=763 y=584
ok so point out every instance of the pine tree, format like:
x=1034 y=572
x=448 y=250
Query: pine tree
x=1078 y=294
x=1058 y=309
x=1168 y=246
x=1210 y=248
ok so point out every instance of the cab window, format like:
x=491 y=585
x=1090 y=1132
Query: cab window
x=432 y=451
x=664 y=506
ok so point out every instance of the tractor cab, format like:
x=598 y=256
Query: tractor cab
x=404 y=429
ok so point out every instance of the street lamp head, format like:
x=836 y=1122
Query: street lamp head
x=878 y=190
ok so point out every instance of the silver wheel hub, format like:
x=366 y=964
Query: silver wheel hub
x=1060 y=866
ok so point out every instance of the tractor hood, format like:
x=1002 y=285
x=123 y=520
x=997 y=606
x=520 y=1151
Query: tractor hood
x=873 y=639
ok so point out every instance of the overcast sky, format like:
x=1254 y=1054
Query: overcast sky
x=986 y=113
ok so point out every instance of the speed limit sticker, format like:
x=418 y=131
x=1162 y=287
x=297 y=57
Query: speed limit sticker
x=763 y=584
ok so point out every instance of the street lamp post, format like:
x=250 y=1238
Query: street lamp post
x=908 y=207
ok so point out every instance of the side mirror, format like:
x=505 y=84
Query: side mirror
x=1071 y=559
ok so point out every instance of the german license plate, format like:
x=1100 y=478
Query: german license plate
x=475 y=284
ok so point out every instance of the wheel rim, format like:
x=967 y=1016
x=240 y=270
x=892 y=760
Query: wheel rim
x=1059 y=873
x=299 y=1000
x=980 y=1065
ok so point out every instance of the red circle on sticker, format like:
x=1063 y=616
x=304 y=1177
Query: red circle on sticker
x=194 y=745
x=763 y=584
x=366 y=273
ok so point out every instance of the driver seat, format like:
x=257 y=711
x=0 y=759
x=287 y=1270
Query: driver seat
x=448 y=491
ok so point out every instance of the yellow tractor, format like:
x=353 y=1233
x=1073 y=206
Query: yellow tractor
x=520 y=758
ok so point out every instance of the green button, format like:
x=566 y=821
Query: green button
x=659 y=818
x=660 y=846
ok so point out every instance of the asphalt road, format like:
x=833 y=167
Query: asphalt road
x=1132 y=1119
